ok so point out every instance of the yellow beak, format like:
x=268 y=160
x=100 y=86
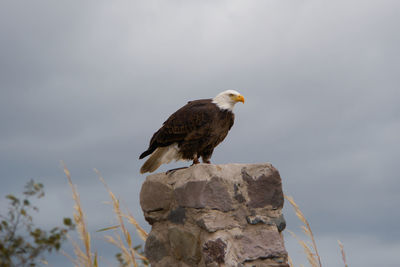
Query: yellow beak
x=240 y=98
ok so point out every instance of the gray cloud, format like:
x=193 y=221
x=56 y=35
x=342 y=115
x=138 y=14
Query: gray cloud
x=89 y=83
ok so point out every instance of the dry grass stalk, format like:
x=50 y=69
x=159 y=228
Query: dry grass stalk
x=313 y=257
x=74 y=261
x=307 y=250
x=120 y=244
x=141 y=232
x=290 y=261
x=343 y=254
x=85 y=258
x=129 y=251
x=125 y=253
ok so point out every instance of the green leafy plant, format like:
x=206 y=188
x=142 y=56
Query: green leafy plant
x=21 y=242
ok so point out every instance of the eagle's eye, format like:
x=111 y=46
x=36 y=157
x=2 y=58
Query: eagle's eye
x=230 y=94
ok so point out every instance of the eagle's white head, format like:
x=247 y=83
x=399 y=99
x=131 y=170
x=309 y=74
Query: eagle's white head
x=228 y=99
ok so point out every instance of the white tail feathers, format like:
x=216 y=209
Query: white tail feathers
x=160 y=156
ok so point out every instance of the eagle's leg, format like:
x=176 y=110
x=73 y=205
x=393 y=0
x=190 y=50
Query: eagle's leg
x=195 y=160
x=206 y=155
x=206 y=160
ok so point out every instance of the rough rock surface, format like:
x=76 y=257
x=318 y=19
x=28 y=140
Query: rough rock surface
x=215 y=215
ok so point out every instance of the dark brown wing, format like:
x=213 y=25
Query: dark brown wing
x=184 y=121
x=231 y=120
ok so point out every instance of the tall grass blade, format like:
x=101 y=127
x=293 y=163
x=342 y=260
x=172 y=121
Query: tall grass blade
x=312 y=256
x=117 y=210
x=84 y=258
x=343 y=254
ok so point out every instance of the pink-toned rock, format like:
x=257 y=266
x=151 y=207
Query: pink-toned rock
x=215 y=215
x=184 y=245
x=155 y=196
x=215 y=220
x=214 y=251
x=191 y=194
x=212 y=194
x=259 y=243
x=264 y=189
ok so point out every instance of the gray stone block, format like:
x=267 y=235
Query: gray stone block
x=215 y=215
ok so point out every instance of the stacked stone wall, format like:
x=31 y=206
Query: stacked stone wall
x=215 y=215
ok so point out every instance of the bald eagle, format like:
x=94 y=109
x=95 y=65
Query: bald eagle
x=193 y=131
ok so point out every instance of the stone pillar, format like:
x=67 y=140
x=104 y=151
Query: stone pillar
x=215 y=215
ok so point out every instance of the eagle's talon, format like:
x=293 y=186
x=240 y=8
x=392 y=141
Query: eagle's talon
x=174 y=170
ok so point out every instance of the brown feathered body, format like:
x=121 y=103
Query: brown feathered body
x=191 y=132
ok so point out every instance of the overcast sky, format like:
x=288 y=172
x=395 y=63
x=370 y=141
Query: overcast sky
x=88 y=82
